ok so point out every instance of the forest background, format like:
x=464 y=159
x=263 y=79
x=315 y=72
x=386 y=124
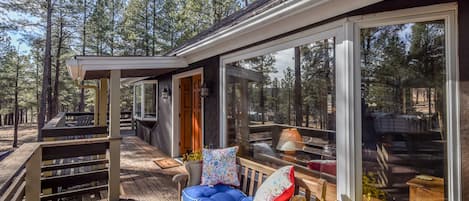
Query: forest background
x=37 y=37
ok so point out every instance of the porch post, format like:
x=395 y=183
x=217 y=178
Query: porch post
x=114 y=136
x=103 y=86
x=33 y=176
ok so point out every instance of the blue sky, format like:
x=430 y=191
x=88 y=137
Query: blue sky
x=17 y=35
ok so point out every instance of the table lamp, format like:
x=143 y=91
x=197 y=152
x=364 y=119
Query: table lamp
x=290 y=141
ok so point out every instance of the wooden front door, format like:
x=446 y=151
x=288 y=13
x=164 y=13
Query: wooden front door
x=190 y=114
x=196 y=114
x=185 y=115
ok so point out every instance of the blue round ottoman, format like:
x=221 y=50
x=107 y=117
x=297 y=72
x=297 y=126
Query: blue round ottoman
x=218 y=192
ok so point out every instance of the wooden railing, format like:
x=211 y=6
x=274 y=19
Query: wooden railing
x=126 y=118
x=271 y=132
x=33 y=172
x=68 y=162
x=73 y=133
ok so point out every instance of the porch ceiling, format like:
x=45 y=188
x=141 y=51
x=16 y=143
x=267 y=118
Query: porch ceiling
x=96 y=67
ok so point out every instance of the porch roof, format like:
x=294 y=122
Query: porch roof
x=96 y=67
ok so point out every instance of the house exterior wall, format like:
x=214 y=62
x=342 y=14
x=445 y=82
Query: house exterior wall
x=463 y=28
x=211 y=67
x=161 y=134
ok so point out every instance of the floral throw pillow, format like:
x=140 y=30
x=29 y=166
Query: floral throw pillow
x=219 y=166
x=280 y=186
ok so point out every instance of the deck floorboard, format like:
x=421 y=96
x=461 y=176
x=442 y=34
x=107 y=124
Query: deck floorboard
x=141 y=178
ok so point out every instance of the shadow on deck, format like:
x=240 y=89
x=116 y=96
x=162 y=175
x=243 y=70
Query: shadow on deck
x=141 y=178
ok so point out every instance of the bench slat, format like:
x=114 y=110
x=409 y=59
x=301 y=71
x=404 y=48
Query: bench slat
x=253 y=179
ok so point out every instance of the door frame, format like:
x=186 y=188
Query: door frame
x=175 y=99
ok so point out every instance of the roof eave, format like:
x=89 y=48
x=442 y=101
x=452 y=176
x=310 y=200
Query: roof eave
x=80 y=65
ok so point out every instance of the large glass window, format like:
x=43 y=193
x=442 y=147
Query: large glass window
x=281 y=108
x=138 y=100
x=403 y=111
x=145 y=96
x=150 y=90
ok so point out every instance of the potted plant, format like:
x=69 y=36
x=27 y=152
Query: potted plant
x=193 y=164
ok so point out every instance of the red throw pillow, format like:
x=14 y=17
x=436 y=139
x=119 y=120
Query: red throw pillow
x=280 y=186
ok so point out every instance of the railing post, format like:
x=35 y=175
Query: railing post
x=114 y=135
x=33 y=176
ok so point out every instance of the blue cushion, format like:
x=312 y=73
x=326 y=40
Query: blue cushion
x=218 y=192
x=250 y=198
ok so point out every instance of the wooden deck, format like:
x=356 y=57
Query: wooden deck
x=141 y=178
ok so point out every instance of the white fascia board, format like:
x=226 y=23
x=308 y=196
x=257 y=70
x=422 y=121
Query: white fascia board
x=132 y=80
x=274 y=14
x=281 y=19
x=81 y=64
x=129 y=63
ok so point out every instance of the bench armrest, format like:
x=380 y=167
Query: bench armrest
x=181 y=180
x=298 y=198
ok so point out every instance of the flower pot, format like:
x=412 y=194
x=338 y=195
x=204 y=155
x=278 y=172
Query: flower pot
x=194 y=169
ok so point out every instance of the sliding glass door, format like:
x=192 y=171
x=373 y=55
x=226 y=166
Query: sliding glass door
x=404 y=113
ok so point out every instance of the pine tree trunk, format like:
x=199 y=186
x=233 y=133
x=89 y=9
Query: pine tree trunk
x=81 y=104
x=47 y=71
x=328 y=83
x=15 y=131
x=21 y=116
x=298 y=100
x=38 y=96
x=147 y=48
x=113 y=21
x=154 y=29
x=83 y=50
x=55 y=105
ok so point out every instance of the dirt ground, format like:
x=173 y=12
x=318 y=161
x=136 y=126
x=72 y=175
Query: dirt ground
x=26 y=133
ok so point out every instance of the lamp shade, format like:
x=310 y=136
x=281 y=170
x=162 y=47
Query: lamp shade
x=290 y=140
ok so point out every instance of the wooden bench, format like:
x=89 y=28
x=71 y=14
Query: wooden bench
x=252 y=175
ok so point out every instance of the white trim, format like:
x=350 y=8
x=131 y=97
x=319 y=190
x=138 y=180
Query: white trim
x=446 y=12
x=283 y=10
x=175 y=133
x=347 y=104
x=453 y=108
x=286 y=17
x=81 y=64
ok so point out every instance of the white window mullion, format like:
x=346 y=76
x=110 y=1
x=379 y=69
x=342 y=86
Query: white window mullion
x=452 y=98
x=348 y=116
x=134 y=102
x=142 y=97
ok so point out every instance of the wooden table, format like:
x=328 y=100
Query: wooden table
x=423 y=190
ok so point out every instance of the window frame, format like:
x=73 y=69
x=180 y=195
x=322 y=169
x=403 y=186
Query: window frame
x=142 y=98
x=348 y=81
x=330 y=30
x=447 y=13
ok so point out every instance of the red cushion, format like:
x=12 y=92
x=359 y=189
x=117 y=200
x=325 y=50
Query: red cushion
x=280 y=186
x=288 y=193
x=326 y=166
